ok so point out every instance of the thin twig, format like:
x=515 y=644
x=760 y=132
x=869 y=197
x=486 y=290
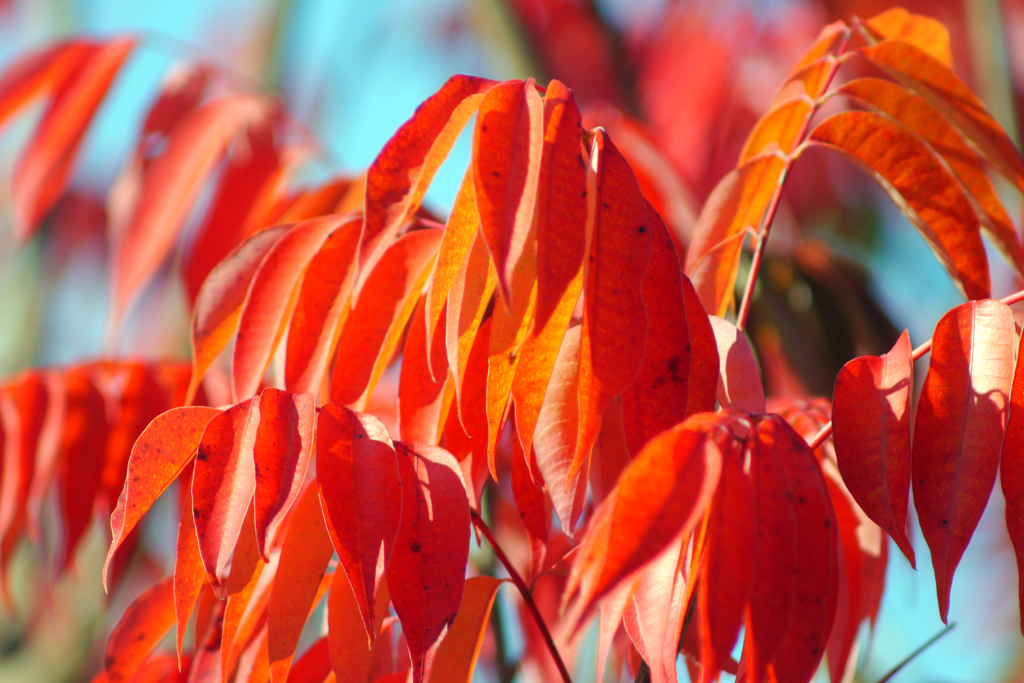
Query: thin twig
x=931 y=641
x=826 y=431
x=525 y=592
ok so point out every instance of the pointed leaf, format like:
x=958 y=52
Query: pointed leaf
x=361 y=494
x=655 y=612
x=920 y=31
x=39 y=73
x=141 y=628
x=615 y=322
x=423 y=402
x=739 y=380
x=466 y=438
x=468 y=298
x=23 y=406
x=958 y=430
x=347 y=643
x=871 y=431
x=456 y=658
x=534 y=509
x=778 y=130
x=189 y=572
x=428 y=571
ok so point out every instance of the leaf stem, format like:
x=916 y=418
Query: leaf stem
x=479 y=523
x=773 y=206
x=931 y=641
x=826 y=431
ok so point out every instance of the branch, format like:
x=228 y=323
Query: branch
x=931 y=641
x=524 y=591
x=826 y=431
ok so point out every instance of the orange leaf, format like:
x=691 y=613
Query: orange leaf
x=375 y=325
x=45 y=165
x=561 y=201
x=739 y=380
x=507 y=146
x=680 y=364
x=915 y=113
x=222 y=486
x=655 y=612
x=826 y=37
x=159 y=455
x=778 y=130
x=614 y=319
x=958 y=430
x=246 y=571
x=428 y=569
x=927 y=193
x=189 y=572
x=217 y=307
x=322 y=303
x=169 y=188
x=923 y=32
x=346 y=633
x=284 y=442
x=268 y=303
x=423 y=402
x=871 y=431
x=936 y=82
x=39 y=73
x=361 y=495
x=298 y=584
x=143 y=626
x=398 y=178
x=554 y=441
x=456 y=658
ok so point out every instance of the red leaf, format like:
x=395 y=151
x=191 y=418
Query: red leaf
x=322 y=304
x=817 y=543
x=189 y=572
x=534 y=509
x=169 y=188
x=661 y=495
x=346 y=633
x=727 y=578
x=655 y=612
x=80 y=458
x=467 y=439
x=39 y=73
x=680 y=364
x=428 y=569
x=361 y=494
x=423 y=402
x=871 y=430
x=614 y=319
x=457 y=655
x=1011 y=470
x=554 y=441
x=284 y=441
x=610 y=455
x=561 y=201
x=50 y=437
x=217 y=307
x=739 y=380
x=507 y=146
x=398 y=178
x=298 y=584
x=268 y=303
x=143 y=626
x=927 y=193
x=374 y=326
x=936 y=82
x=314 y=665
x=246 y=571
x=45 y=165
x=958 y=430
x=159 y=455
x=222 y=486
x=23 y=406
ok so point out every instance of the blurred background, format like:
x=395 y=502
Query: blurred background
x=845 y=271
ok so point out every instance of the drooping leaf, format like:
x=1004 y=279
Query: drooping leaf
x=304 y=556
x=284 y=442
x=611 y=453
x=219 y=303
x=159 y=455
x=398 y=178
x=936 y=82
x=321 y=307
x=189 y=572
x=915 y=113
x=739 y=380
x=561 y=201
x=662 y=494
x=534 y=509
x=374 y=326
x=615 y=323
x=554 y=441
x=655 y=612
x=169 y=188
x=466 y=438
x=727 y=577
x=428 y=568
x=45 y=165
x=871 y=431
x=457 y=655
x=23 y=406
x=778 y=130
x=826 y=37
x=246 y=570
x=423 y=401
x=680 y=367
x=923 y=32
x=222 y=486
x=347 y=643
x=141 y=628
x=958 y=430
x=507 y=147
x=268 y=303
x=361 y=493
x=38 y=73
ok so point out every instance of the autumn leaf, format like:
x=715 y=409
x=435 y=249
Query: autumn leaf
x=423 y=401
x=739 y=379
x=141 y=628
x=456 y=657
x=920 y=31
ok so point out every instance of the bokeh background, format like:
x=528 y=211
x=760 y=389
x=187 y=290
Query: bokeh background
x=845 y=274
